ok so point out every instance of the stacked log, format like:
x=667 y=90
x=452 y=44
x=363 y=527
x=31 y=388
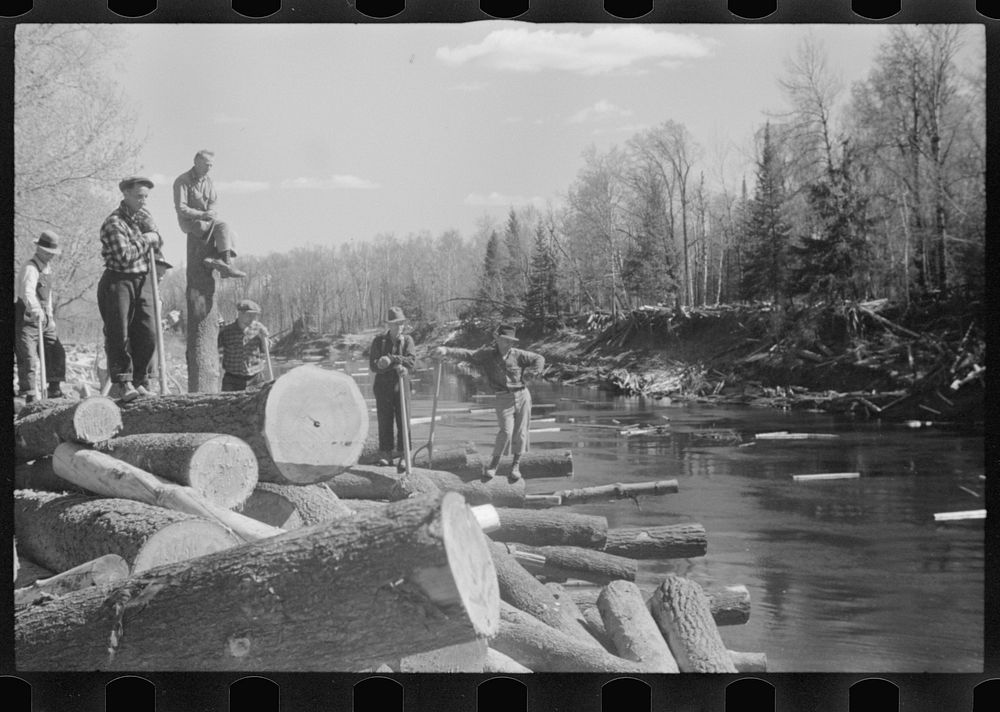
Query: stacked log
x=38 y=429
x=294 y=506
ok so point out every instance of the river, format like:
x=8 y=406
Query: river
x=849 y=575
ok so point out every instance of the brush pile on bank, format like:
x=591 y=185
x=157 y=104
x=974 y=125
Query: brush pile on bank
x=234 y=531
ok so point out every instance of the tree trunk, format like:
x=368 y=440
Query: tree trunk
x=343 y=597
x=670 y=541
x=497 y=491
x=463 y=657
x=294 y=506
x=102 y=570
x=524 y=591
x=631 y=626
x=566 y=601
x=574 y=562
x=546 y=527
x=472 y=465
x=542 y=648
x=375 y=482
x=305 y=427
x=730 y=605
x=616 y=491
x=222 y=468
x=498 y=663
x=60 y=531
x=202 y=321
x=681 y=609
x=39 y=430
x=102 y=474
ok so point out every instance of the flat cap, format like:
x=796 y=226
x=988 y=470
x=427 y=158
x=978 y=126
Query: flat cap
x=247 y=305
x=130 y=181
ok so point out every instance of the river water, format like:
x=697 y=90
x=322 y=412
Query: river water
x=849 y=575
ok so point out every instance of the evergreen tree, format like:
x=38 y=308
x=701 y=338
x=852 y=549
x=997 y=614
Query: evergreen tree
x=491 y=288
x=513 y=271
x=542 y=301
x=765 y=270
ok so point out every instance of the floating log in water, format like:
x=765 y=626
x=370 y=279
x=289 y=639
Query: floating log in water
x=222 y=468
x=305 y=427
x=294 y=506
x=60 y=531
x=631 y=627
x=616 y=491
x=560 y=563
x=532 y=465
x=523 y=591
x=784 y=435
x=681 y=609
x=668 y=541
x=39 y=429
x=497 y=491
x=103 y=474
x=550 y=528
x=956 y=516
x=102 y=570
x=542 y=648
x=827 y=476
x=415 y=578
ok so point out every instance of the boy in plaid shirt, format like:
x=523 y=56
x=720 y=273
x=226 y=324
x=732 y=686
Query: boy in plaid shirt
x=243 y=343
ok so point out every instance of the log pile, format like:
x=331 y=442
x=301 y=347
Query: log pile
x=126 y=532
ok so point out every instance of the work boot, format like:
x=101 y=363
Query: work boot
x=127 y=392
x=491 y=469
x=143 y=391
x=515 y=472
x=221 y=267
x=54 y=391
x=384 y=459
x=28 y=397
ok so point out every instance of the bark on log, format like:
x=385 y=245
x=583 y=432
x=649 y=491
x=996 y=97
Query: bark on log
x=546 y=527
x=60 y=531
x=524 y=591
x=294 y=506
x=616 y=491
x=305 y=427
x=344 y=596
x=574 y=562
x=542 y=648
x=463 y=657
x=670 y=541
x=375 y=482
x=91 y=420
x=564 y=599
x=497 y=491
x=202 y=320
x=532 y=465
x=498 y=663
x=103 y=474
x=730 y=605
x=749 y=662
x=682 y=611
x=630 y=625
x=102 y=570
x=222 y=468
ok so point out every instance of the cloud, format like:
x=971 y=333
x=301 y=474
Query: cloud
x=334 y=182
x=495 y=199
x=601 y=110
x=242 y=186
x=602 y=50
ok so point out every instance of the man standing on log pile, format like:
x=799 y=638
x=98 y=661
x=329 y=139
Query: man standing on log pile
x=390 y=358
x=34 y=304
x=129 y=238
x=195 y=200
x=242 y=343
x=506 y=369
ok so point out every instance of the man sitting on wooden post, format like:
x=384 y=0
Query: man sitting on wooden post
x=195 y=200
x=34 y=305
x=242 y=345
x=390 y=358
x=506 y=369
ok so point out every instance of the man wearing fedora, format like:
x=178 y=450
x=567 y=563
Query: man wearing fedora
x=390 y=358
x=242 y=343
x=505 y=368
x=34 y=301
x=129 y=239
x=195 y=200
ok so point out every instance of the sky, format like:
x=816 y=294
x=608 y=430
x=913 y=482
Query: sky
x=329 y=133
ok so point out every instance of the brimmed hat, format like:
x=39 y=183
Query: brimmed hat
x=506 y=331
x=246 y=305
x=48 y=241
x=160 y=260
x=395 y=315
x=127 y=183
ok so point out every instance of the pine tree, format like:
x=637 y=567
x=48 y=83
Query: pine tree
x=491 y=289
x=765 y=272
x=542 y=300
x=513 y=271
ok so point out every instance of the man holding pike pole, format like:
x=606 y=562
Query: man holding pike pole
x=505 y=368
x=36 y=342
x=391 y=358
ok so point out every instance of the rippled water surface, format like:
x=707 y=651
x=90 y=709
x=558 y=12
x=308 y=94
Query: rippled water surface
x=844 y=575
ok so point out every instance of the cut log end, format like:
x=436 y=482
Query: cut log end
x=467 y=549
x=183 y=540
x=316 y=422
x=221 y=470
x=96 y=418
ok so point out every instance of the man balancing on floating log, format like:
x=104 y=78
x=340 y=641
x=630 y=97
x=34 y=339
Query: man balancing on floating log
x=506 y=369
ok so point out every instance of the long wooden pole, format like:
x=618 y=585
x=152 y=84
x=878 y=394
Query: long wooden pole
x=267 y=357
x=407 y=459
x=429 y=445
x=161 y=356
x=43 y=383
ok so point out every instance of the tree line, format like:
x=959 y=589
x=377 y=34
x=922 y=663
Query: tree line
x=869 y=191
